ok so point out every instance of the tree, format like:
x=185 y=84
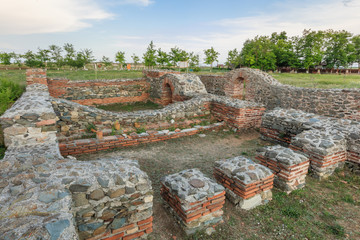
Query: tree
x=338 y=48
x=87 y=55
x=55 y=56
x=120 y=58
x=44 y=56
x=135 y=59
x=233 y=60
x=283 y=49
x=5 y=58
x=32 y=60
x=356 y=49
x=106 y=61
x=211 y=56
x=162 y=58
x=17 y=59
x=258 y=53
x=194 y=60
x=312 y=47
x=178 y=55
x=150 y=55
x=70 y=54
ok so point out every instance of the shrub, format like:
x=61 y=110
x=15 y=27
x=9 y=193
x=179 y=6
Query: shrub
x=9 y=92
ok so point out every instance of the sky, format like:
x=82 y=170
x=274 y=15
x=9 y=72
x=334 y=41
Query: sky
x=108 y=26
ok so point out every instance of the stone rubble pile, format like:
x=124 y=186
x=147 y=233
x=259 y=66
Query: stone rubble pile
x=290 y=167
x=247 y=184
x=195 y=200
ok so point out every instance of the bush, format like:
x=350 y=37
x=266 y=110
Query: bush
x=9 y=92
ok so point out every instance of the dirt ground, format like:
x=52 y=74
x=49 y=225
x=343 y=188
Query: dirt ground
x=320 y=211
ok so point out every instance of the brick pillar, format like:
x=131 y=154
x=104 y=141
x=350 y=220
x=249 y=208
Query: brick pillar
x=36 y=75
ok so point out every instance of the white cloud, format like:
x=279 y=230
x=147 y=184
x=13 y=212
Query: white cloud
x=48 y=16
x=137 y=2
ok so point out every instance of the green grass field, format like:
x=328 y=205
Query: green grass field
x=319 y=81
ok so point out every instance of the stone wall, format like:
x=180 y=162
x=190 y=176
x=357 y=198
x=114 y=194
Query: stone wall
x=46 y=196
x=214 y=84
x=262 y=88
x=100 y=92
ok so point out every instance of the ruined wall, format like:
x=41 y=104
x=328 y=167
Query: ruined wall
x=214 y=84
x=258 y=86
x=100 y=92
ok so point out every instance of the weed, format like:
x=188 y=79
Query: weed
x=140 y=130
x=90 y=127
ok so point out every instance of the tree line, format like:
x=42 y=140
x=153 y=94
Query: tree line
x=58 y=57
x=329 y=49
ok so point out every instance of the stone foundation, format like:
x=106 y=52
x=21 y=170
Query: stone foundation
x=326 y=150
x=195 y=200
x=247 y=184
x=290 y=168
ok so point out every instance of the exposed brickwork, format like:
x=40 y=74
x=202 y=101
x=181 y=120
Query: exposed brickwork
x=37 y=75
x=93 y=145
x=195 y=200
x=290 y=168
x=239 y=118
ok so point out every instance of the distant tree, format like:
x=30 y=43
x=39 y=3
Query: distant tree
x=356 y=49
x=106 y=61
x=338 y=48
x=150 y=56
x=5 y=58
x=87 y=55
x=312 y=47
x=120 y=58
x=44 y=55
x=32 y=60
x=234 y=59
x=258 y=53
x=178 y=55
x=79 y=61
x=55 y=56
x=135 y=59
x=70 y=54
x=283 y=49
x=162 y=58
x=194 y=60
x=211 y=56
x=17 y=59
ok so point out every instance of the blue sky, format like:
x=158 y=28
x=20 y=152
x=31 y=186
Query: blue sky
x=108 y=26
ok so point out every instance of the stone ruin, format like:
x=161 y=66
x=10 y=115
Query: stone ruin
x=45 y=193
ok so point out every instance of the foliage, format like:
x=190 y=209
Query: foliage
x=162 y=58
x=91 y=127
x=135 y=59
x=258 y=53
x=178 y=55
x=5 y=58
x=106 y=61
x=120 y=57
x=211 y=56
x=150 y=55
x=9 y=92
x=55 y=56
x=356 y=49
x=87 y=55
x=194 y=60
x=233 y=60
x=32 y=60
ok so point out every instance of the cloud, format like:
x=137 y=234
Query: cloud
x=137 y=2
x=48 y=16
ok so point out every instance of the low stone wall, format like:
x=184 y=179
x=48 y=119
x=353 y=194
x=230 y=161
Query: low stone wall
x=100 y=92
x=313 y=134
x=263 y=88
x=121 y=141
x=74 y=119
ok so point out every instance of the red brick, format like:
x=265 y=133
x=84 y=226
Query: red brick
x=133 y=236
x=115 y=237
x=150 y=219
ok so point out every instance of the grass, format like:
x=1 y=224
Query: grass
x=327 y=209
x=319 y=80
x=137 y=106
